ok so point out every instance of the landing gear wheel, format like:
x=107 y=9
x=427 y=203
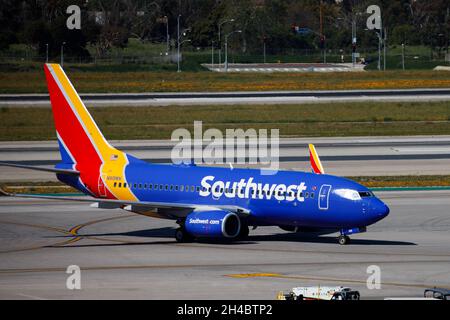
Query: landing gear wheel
x=343 y=240
x=182 y=236
x=243 y=233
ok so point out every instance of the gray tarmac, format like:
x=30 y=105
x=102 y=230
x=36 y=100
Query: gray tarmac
x=127 y=256
x=238 y=97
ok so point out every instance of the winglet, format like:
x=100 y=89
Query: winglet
x=315 y=160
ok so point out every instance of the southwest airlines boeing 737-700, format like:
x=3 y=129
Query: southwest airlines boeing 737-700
x=206 y=202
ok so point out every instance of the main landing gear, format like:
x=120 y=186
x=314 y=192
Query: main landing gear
x=182 y=236
x=343 y=239
x=244 y=232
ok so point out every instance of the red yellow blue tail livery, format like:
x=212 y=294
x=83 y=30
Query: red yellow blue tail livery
x=206 y=202
x=316 y=164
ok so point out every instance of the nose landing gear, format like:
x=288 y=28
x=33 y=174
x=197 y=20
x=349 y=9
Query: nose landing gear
x=343 y=239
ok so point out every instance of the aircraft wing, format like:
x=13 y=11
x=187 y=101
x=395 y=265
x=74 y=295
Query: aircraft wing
x=166 y=209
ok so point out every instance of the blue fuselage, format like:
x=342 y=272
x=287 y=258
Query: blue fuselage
x=287 y=198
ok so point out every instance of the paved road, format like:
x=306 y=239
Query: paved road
x=286 y=67
x=354 y=156
x=128 y=256
x=199 y=98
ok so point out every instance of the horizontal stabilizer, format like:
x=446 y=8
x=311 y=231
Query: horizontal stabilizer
x=54 y=170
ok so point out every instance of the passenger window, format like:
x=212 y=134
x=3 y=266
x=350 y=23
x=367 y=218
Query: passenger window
x=161 y=187
x=192 y=188
x=135 y=185
x=181 y=187
x=176 y=188
x=124 y=184
x=171 y=187
x=120 y=184
x=140 y=185
x=115 y=184
x=306 y=194
x=312 y=195
x=167 y=187
x=150 y=186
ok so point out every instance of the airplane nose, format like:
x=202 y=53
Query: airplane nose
x=384 y=210
x=377 y=210
x=380 y=210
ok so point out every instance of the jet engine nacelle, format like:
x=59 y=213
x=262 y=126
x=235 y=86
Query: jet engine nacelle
x=213 y=224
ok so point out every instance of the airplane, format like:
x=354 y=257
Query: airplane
x=206 y=202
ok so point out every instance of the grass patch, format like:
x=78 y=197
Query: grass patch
x=404 y=181
x=342 y=119
x=37 y=187
x=160 y=81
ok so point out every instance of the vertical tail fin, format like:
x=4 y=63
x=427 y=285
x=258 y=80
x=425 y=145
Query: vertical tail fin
x=83 y=147
x=314 y=159
x=79 y=137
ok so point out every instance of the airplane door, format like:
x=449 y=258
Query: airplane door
x=101 y=187
x=324 y=195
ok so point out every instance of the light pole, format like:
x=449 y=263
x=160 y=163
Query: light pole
x=264 y=50
x=353 y=41
x=212 y=54
x=354 y=38
x=380 y=42
x=179 y=52
x=62 y=54
x=403 y=56
x=226 y=47
x=167 y=33
x=46 y=53
x=220 y=43
x=178 y=43
x=384 y=50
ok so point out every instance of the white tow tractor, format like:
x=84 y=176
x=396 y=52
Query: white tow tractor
x=319 y=293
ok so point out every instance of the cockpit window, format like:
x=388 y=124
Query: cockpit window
x=348 y=194
x=365 y=194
